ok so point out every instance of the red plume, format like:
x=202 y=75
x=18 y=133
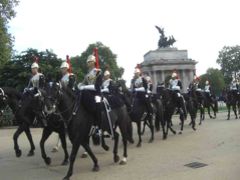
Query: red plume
x=69 y=63
x=36 y=59
x=95 y=52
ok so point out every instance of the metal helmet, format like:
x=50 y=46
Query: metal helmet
x=107 y=73
x=207 y=82
x=64 y=65
x=174 y=75
x=137 y=70
x=34 y=65
x=91 y=58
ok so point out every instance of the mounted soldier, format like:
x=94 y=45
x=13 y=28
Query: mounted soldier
x=208 y=91
x=139 y=86
x=176 y=87
x=68 y=78
x=107 y=82
x=234 y=87
x=37 y=80
x=196 y=88
x=91 y=85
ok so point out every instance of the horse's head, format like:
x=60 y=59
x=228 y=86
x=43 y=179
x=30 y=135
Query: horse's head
x=51 y=97
x=3 y=101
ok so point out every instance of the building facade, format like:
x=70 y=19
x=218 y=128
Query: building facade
x=161 y=63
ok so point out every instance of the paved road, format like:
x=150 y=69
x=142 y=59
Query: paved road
x=215 y=143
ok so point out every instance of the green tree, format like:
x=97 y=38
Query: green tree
x=16 y=73
x=216 y=79
x=6 y=40
x=229 y=60
x=106 y=59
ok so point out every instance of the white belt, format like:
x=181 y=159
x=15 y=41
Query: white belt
x=176 y=88
x=141 y=89
x=105 y=90
x=207 y=91
x=87 y=87
x=198 y=89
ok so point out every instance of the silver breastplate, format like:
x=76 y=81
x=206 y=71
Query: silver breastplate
x=106 y=83
x=35 y=80
x=91 y=77
x=65 y=80
x=138 y=82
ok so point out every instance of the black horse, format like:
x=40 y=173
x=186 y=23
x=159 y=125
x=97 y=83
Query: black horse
x=55 y=120
x=138 y=110
x=210 y=102
x=171 y=104
x=79 y=118
x=231 y=99
x=29 y=108
x=15 y=100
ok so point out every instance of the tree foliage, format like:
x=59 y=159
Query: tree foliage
x=16 y=73
x=216 y=79
x=229 y=60
x=107 y=59
x=6 y=40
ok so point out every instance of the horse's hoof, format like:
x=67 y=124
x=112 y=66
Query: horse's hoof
x=18 y=153
x=84 y=155
x=194 y=128
x=105 y=147
x=131 y=141
x=150 y=140
x=31 y=153
x=116 y=158
x=66 y=178
x=164 y=137
x=95 y=168
x=48 y=160
x=64 y=163
x=139 y=145
x=200 y=124
x=122 y=162
x=174 y=132
x=180 y=132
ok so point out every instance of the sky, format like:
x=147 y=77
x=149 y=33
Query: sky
x=202 y=27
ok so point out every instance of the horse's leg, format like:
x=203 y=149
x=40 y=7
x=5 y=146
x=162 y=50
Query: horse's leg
x=104 y=145
x=15 y=139
x=235 y=111
x=115 y=148
x=150 y=120
x=182 y=122
x=144 y=126
x=62 y=136
x=75 y=148
x=169 y=124
x=214 y=110
x=45 y=134
x=229 y=108
x=139 y=134
x=209 y=113
x=29 y=136
x=124 y=133
x=163 y=124
x=92 y=156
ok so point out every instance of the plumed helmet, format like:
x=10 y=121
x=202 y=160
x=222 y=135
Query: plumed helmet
x=107 y=73
x=207 y=82
x=91 y=58
x=34 y=65
x=64 y=65
x=174 y=75
x=137 y=70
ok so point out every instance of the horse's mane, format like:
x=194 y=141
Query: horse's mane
x=12 y=92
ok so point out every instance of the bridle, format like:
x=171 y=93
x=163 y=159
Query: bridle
x=4 y=99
